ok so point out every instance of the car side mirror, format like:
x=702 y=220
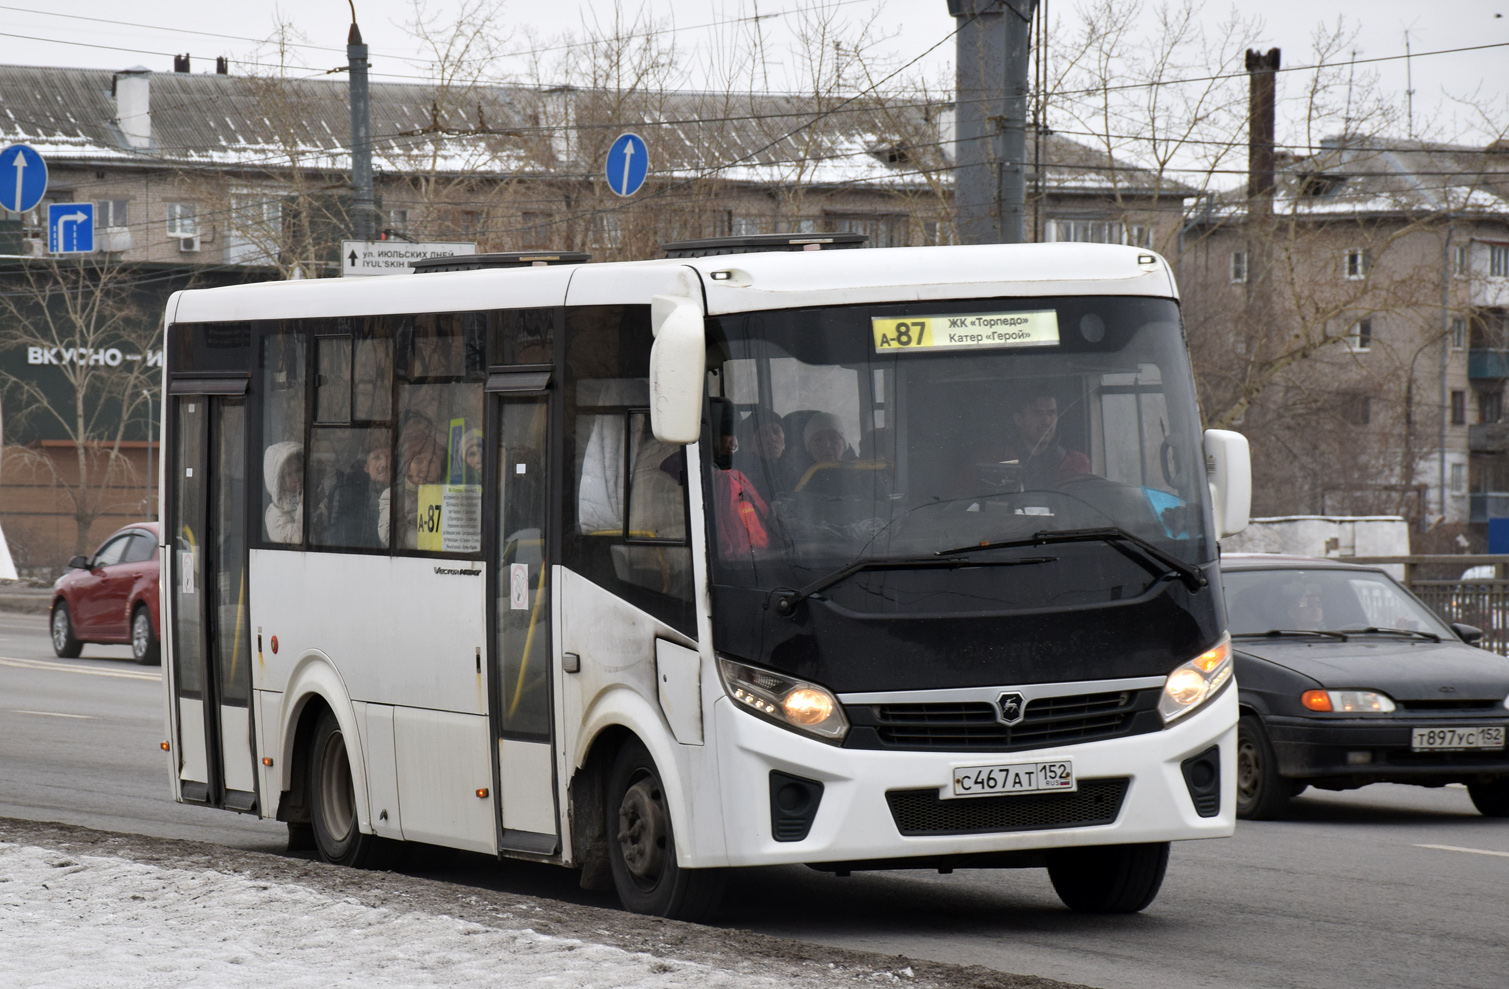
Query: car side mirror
x=1228 y=472
x=79 y=563
x=677 y=361
x=1469 y=634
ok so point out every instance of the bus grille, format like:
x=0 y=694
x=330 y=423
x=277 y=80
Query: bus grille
x=922 y=812
x=975 y=725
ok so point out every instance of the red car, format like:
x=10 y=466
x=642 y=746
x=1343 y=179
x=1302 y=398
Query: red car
x=111 y=597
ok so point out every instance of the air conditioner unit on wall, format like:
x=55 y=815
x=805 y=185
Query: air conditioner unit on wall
x=188 y=244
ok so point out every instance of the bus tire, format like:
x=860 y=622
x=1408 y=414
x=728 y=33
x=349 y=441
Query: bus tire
x=338 y=837
x=64 y=643
x=1491 y=798
x=642 y=845
x=1262 y=794
x=1108 y=878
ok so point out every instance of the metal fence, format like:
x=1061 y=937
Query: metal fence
x=1480 y=601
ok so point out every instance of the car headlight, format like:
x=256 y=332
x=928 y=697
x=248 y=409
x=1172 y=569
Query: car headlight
x=1195 y=682
x=789 y=702
x=1347 y=701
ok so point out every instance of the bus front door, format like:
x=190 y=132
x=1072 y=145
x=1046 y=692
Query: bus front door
x=205 y=572
x=521 y=663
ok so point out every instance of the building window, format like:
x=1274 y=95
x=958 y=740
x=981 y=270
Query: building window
x=1357 y=409
x=1238 y=267
x=1498 y=261
x=181 y=220
x=747 y=226
x=1360 y=336
x=110 y=213
x=1490 y=406
x=1459 y=260
x=1097 y=232
x=1458 y=479
x=537 y=232
x=1359 y=261
x=398 y=222
x=882 y=231
x=1458 y=408
x=1458 y=333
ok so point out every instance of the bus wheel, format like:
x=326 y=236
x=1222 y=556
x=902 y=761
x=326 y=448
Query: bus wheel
x=642 y=847
x=1108 y=878
x=332 y=798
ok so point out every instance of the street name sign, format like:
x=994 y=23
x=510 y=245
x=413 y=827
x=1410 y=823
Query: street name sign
x=628 y=164
x=23 y=178
x=392 y=257
x=70 y=228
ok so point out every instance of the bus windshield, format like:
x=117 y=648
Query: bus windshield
x=911 y=434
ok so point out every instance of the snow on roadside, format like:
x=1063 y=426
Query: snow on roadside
x=91 y=922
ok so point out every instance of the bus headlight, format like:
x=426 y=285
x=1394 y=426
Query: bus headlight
x=1195 y=682
x=785 y=700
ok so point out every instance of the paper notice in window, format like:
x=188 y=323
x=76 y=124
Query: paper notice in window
x=518 y=586
x=450 y=518
x=1038 y=328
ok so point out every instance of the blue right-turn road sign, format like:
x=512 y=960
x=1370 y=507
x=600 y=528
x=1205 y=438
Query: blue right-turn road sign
x=23 y=178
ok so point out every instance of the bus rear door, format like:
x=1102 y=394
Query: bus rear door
x=521 y=653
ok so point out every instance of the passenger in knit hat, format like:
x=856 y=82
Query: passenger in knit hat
x=823 y=438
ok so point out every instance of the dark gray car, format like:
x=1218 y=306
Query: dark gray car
x=1345 y=678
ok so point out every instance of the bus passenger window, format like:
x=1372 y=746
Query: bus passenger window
x=435 y=502
x=352 y=471
x=282 y=382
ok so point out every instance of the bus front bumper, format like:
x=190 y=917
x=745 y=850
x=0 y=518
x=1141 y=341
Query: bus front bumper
x=856 y=820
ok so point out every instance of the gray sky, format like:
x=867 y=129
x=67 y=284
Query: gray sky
x=913 y=26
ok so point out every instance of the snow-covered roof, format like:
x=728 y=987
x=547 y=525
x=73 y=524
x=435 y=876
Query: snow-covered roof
x=1362 y=175
x=242 y=123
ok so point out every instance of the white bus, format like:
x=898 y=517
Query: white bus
x=854 y=558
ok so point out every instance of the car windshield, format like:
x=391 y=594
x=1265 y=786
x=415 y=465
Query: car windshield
x=1332 y=600
x=902 y=432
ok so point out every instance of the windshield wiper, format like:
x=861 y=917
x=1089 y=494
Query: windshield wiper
x=1276 y=632
x=1117 y=537
x=1375 y=630
x=786 y=599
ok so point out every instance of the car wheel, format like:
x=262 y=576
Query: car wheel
x=145 y=648
x=1108 y=878
x=332 y=799
x=1262 y=794
x=63 y=641
x=1491 y=798
x=642 y=845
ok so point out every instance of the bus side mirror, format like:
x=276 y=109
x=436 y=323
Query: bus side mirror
x=1228 y=471
x=1469 y=634
x=677 y=363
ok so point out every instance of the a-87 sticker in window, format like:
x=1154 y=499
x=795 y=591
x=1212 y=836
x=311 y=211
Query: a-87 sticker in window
x=1038 y=328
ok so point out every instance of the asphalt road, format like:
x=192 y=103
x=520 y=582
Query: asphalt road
x=1385 y=886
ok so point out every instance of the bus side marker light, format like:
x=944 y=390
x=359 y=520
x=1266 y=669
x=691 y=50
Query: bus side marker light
x=267 y=760
x=166 y=747
x=482 y=792
x=275 y=645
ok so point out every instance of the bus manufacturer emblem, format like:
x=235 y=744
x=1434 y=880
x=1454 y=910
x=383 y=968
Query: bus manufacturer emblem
x=1013 y=709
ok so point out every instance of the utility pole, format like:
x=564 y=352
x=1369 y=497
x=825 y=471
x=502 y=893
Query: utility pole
x=990 y=118
x=1262 y=231
x=363 y=203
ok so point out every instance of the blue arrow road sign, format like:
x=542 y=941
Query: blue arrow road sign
x=628 y=164
x=23 y=178
x=70 y=228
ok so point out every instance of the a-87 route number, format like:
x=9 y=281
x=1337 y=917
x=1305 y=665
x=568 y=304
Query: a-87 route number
x=902 y=333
